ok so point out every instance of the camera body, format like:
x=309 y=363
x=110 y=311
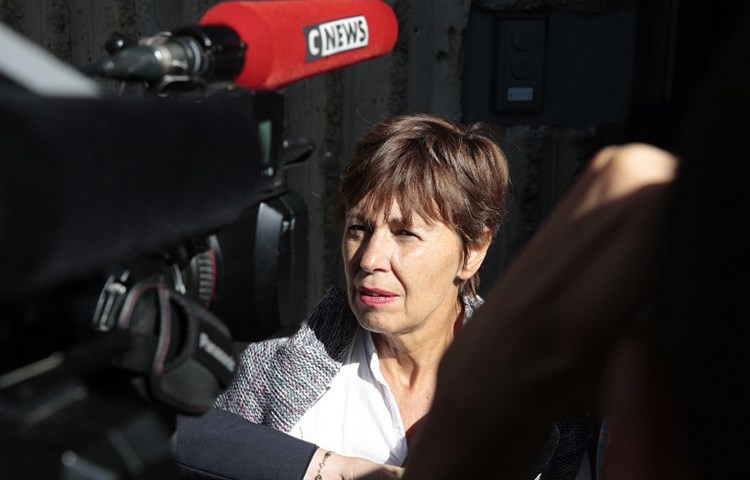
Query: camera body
x=145 y=239
x=163 y=235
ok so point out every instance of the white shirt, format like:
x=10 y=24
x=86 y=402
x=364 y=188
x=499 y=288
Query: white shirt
x=357 y=415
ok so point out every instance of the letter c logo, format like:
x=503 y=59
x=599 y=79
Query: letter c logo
x=313 y=39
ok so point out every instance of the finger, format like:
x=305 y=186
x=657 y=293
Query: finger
x=616 y=172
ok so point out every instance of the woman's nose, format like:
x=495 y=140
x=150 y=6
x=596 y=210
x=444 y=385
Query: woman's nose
x=376 y=253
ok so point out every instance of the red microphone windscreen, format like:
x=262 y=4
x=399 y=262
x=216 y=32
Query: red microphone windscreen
x=288 y=40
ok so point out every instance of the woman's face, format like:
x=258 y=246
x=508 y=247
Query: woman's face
x=401 y=278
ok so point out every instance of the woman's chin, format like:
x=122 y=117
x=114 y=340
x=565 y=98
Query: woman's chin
x=378 y=323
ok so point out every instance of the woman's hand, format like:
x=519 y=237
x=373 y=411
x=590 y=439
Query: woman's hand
x=339 y=467
x=536 y=349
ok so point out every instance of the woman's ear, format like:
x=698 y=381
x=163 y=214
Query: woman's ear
x=475 y=256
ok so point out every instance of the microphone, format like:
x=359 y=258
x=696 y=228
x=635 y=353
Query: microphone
x=260 y=45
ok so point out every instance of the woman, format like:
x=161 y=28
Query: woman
x=421 y=201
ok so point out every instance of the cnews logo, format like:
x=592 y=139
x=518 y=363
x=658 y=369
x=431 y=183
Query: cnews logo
x=338 y=36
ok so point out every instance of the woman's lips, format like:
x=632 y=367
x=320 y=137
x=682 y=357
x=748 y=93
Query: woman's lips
x=373 y=297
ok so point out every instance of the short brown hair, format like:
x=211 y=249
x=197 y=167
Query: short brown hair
x=435 y=168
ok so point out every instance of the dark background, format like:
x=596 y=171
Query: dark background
x=601 y=72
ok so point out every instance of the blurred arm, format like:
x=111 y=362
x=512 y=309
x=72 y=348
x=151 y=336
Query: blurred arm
x=535 y=351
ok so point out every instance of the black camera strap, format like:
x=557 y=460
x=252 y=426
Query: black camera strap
x=182 y=350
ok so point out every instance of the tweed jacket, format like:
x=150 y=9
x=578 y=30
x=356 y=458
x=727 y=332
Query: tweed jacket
x=278 y=380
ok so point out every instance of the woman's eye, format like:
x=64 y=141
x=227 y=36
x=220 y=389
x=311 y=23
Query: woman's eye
x=407 y=233
x=356 y=228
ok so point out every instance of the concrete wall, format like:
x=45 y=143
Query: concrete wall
x=425 y=72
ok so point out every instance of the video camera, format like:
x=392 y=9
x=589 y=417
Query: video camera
x=145 y=240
